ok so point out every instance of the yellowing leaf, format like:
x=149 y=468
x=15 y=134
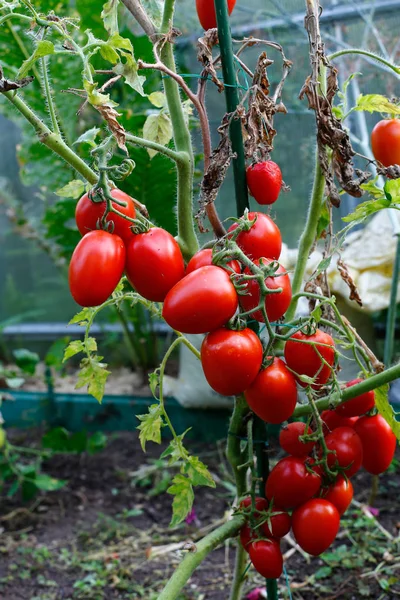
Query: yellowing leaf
x=150 y=426
x=182 y=490
x=157 y=128
x=109 y=14
x=43 y=48
x=376 y=103
x=129 y=71
x=73 y=189
x=157 y=99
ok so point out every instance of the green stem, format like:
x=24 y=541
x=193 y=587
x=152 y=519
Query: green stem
x=52 y=140
x=49 y=98
x=138 y=141
x=348 y=393
x=186 y=232
x=367 y=54
x=232 y=100
x=392 y=309
x=23 y=49
x=193 y=559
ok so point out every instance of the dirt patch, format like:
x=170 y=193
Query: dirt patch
x=105 y=536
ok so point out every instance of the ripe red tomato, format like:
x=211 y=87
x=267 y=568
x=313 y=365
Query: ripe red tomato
x=378 y=442
x=231 y=360
x=276 y=304
x=290 y=442
x=203 y=258
x=265 y=181
x=266 y=557
x=340 y=494
x=348 y=449
x=332 y=420
x=385 y=141
x=273 y=393
x=206 y=12
x=96 y=267
x=88 y=213
x=154 y=263
x=263 y=240
x=290 y=484
x=260 y=504
x=280 y=524
x=315 y=525
x=304 y=359
x=202 y=301
x=358 y=405
x=247 y=535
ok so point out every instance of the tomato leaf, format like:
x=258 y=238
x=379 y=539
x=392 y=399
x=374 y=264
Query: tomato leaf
x=154 y=382
x=323 y=220
x=323 y=265
x=43 y=48
x=154 y=9
x=129 y=70
x=93 y=374
x=392 y=190
x=47 y=483
x=376 y=103
x=198 y=472
x=157 y=128
x=88 y=137
x=182 y=490
x=317 y=313
x=373 y=189
x=386 y=410
x=109 y=14
x=158 y=99
x=150 y=426
x=82 y=317
x=368 y=208
x=73 y=348
x=73 y=189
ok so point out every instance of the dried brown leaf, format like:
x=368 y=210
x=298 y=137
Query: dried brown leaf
x=110 y=115
x=345 y=275
x=205 y=47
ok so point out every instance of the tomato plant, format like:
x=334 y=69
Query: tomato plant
x=154 y=263
x=96 y=267
x=265 y=181
x=315 y=525
x=385 y=141
x=89 y=212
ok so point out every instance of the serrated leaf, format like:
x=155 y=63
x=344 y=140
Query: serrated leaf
x=73 y=189
x=108 y=53
x=372 y=189
x=129 y=70
x=182 y=490
x=43 y=48
x=73 y=348
x=109 y=14
x=198 y=472
x=117 y=41
x=376 y=103
x=154 y=9
x=95 y=97
x=158 y=99
x=93 y=374
x=47 y=483
x=154 y=380
x=365 y=209
x=157 y=128
x=88 y=137
x=392 y=190
x=386 y=410
x=150 y=426
x=82 y=317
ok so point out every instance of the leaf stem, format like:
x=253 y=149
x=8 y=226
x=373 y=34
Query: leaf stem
x=49 y=97
x=367 y=54
x=138 y=141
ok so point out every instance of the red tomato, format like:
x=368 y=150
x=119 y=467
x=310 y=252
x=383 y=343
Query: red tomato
x=260 y=504
x=96 y=267
x=273 y=393
x=263 y=240
x=315 y=525
x=385 y=141
x=280 y=521
x=231 y=360
x=203 y=258
x=154 y=263
x=88 y=213
x=276 y=304
x=206 y=12
x=266 y=557
x=280 y=524
x=332 y=420
x=265 y=181
x=378 y=442
x=358 y=405
x=348 y=449
x=246 y=535
x=290 y=484
x=202 y=301
x=290 y=442
x=340 y=494
x=305 y=360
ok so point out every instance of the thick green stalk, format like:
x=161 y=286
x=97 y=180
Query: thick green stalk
x=138 y=141
x=186 y=233
x=232 y=100
x=392 y=309
x=367 y=54
x=52 y=140
x=351 y=392
x=192 y=560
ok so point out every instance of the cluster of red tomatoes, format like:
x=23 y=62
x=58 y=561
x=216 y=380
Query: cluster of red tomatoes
x=301 y=496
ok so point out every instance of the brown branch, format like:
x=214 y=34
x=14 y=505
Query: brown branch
x=137 y=10
x=375 y=363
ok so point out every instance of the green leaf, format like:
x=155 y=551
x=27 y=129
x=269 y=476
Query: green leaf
x=386 y=410
x=392 y=190
x=95 y=97
x=323 y=220
x=88 y=137
x=108 y=53
x=93 y=374
x=82 y=317
x=373 y=189
x=150 y=426
x=129 y=70
x=26 y=360
x=109 y=14
x=317 y=313
x=154 y=9
x=157 y=128
x=117 y=41
x=154 y=381
x=55 y=354
x=376 y=103
x=365 y=209
x=73 y=189
x=43 y=48
x=198 y=473
x=323 y=265
x=56 y=439
x=338 y=112
x=13 y=489
x=73 y=348
x=323 y=572
x=158 y=99
x=47 y=483
x=96 y=442
x=182 y=490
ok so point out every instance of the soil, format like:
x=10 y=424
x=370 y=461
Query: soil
x=105 y=536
